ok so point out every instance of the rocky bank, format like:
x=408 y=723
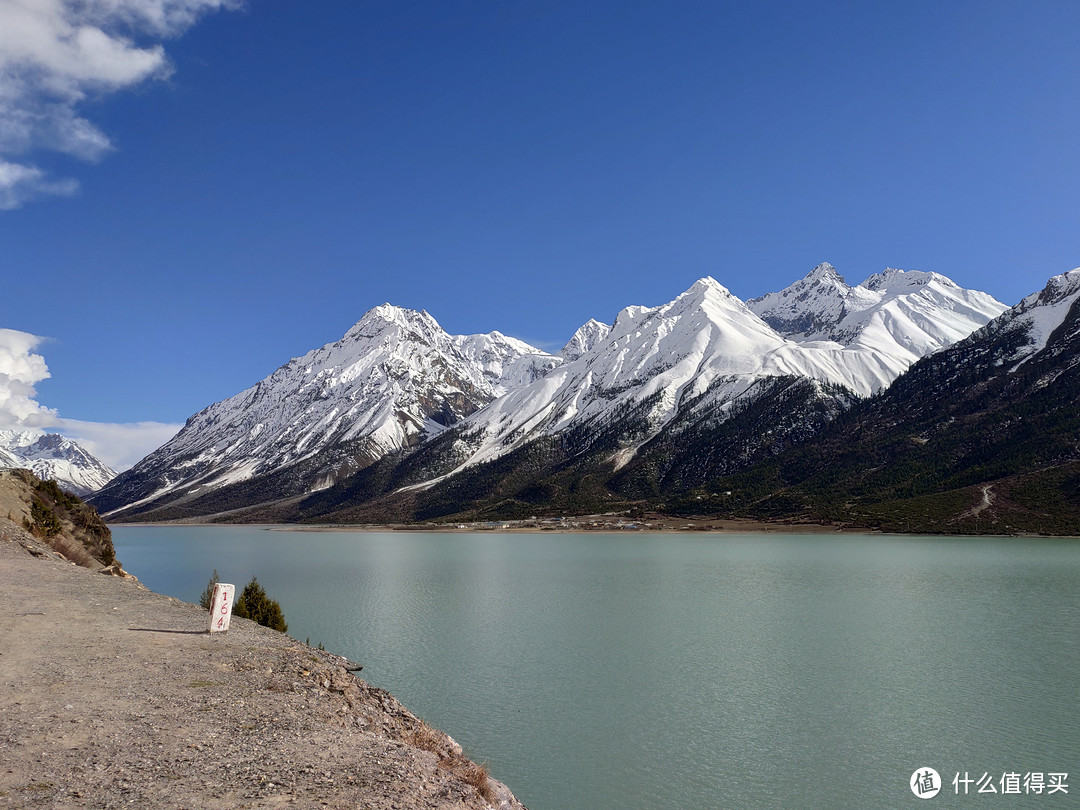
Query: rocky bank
x=114 y=696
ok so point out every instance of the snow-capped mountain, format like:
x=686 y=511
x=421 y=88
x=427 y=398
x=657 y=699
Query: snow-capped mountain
x=54 y=457
x=903 y=314
x=813 y=306
x=585 y=339
x=395 y=379
x=708 y=350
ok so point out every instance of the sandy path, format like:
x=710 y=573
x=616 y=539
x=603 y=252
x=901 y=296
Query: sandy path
x=113 y=696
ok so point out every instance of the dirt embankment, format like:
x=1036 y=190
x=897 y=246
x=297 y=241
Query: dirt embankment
x=111 y=695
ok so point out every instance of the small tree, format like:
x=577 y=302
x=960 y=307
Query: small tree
x=254 y=604
x=207 y=598
x=46 y=523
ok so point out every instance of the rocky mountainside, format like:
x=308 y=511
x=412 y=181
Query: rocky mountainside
x=55 y=519
x=983 y=436
x=394 y=380
x=53 y=457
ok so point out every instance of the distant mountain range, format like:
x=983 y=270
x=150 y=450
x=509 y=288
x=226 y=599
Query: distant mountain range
x=779 y=401
x=51 y=456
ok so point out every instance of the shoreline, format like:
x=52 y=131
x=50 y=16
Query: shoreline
x=586 y=524
x=711 y=527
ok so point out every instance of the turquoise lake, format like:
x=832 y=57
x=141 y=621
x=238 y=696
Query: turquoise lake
x=652 y=671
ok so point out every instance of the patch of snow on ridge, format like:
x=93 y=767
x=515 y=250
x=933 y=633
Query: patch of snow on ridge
x=1048 y=309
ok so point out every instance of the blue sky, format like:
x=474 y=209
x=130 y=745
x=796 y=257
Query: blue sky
x=237 y=184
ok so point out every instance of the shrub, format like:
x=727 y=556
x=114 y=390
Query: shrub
x=54 y=512
x=207 y=597
x=254 y=604
x=45 y=521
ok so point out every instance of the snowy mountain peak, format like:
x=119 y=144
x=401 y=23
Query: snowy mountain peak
x=707 y=287
x=1057 y=290
x=709 y=297
x=588 y=335
x=55 y=457
x=383 y=316
x=395 y=379
x=629 y=316
x=904 y=313
x=813 y=306
x=825 y=273
x=893 y=280
x=1038 y=315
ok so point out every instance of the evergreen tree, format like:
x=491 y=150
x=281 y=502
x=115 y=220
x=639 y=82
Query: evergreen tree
x=254 y=604
x=207 y=597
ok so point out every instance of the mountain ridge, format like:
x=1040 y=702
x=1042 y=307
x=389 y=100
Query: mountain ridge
x=704 y=362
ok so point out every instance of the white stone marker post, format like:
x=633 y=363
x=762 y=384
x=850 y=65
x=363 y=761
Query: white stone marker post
x=221 y=607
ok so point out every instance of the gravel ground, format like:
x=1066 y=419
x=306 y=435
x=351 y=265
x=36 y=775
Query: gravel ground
x=114 y=696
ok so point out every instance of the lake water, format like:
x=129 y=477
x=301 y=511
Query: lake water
x=646 y=671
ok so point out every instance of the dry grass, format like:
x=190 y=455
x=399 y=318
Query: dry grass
x=477 y=776
x=426 y=738
x=73 y=550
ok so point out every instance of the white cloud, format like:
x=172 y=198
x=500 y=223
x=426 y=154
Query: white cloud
x=18 y=184
x=118 y=445
x=20 y=370
x=54 y=54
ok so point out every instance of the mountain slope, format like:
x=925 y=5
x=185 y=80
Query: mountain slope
x=395 y=379
x=53 y=457
x=54 y=517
